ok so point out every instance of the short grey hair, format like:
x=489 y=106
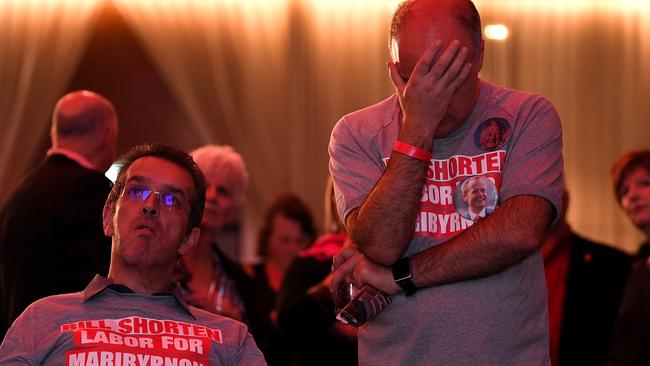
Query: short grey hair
x=465 y=186
x=223 y=159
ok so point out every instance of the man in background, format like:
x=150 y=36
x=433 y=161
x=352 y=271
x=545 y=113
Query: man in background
x=212 y=280
x=585 y=285
x=51 y=238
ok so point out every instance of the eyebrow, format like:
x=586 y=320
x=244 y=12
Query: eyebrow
x=166 y=187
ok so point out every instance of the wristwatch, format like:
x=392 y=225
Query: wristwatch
x=402 y=275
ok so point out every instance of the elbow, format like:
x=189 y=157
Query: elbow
x=529 y=219
x=531 y=243
x=532 y=239
x=384 y=258
x=376 y=250
x=374 y=244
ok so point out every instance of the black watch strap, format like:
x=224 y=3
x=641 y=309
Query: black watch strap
x=402 y=275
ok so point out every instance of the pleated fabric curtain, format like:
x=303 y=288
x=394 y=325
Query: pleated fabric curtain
x=591 y=58
x=269 y=78
x=40 y=45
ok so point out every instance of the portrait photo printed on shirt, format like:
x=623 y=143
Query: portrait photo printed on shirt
x=475 y=197
x=492 y=133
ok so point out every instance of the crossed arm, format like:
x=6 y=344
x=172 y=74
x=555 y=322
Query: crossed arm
x=500 y=240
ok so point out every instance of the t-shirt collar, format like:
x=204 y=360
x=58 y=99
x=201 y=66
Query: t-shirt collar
x=100 y=283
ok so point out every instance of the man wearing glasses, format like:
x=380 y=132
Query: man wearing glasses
x=134 y=316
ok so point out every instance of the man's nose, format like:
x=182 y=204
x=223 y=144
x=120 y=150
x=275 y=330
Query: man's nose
x=149 y=210
x=150 y=207
x=211 y=194
x=630 y=197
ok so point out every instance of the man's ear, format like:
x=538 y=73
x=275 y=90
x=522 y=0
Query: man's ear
x=107 y=220
x=190 y=241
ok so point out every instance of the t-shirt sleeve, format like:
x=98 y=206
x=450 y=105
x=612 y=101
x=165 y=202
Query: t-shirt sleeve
x=534 y=160
x=249 y=353
x=355 y=165
x=17 y=347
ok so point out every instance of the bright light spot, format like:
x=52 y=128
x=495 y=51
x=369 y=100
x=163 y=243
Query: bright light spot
x=111 y=173
x=497 y=32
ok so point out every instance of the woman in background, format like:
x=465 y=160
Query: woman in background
x=631 y=343
x=288 y=229
x=305 y=306
x=210 y=279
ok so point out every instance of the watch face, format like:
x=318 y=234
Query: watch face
x=402 y=275
x=402 y=269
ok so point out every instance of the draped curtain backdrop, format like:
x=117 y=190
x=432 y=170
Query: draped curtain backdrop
x=269 y=78
x=40 y=45
x=591 y=58
x=272 y=77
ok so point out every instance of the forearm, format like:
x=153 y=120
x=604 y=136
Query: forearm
x=515 y=231
x=383 y=226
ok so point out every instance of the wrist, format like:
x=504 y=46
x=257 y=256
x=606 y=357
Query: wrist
x=417 y=132
x=412 y=151
x=403 y=276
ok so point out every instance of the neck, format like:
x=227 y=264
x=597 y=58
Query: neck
x=274 y=274
x=646 y=231
x=93 y=151
x=204 y=245
x=141 y=281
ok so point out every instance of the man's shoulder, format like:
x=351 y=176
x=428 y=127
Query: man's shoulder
x=208 y=317
x=500 y=92
x=373 y=116
x=211 y=320
x=49 y=306
x=59 y=299
x=64 y=167
x=513 y=101
x=57 y=172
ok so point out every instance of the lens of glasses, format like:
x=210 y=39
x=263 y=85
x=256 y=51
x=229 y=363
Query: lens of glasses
x=170 y=200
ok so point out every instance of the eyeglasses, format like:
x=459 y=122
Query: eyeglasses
x=138 y=192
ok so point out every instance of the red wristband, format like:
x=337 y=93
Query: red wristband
x=412 y=151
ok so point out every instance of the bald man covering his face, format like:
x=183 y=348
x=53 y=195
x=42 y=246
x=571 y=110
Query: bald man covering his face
x=51 y=238
x=463 y=293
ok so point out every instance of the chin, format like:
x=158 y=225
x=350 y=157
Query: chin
x=642 y=224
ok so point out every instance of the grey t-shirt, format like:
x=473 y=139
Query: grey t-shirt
x=102 y=326
x=512 y=144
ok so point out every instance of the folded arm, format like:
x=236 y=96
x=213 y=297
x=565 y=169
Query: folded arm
x=497 y=242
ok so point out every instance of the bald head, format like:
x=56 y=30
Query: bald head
x=86 y=122
x=417 y=25
x=463 y=11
